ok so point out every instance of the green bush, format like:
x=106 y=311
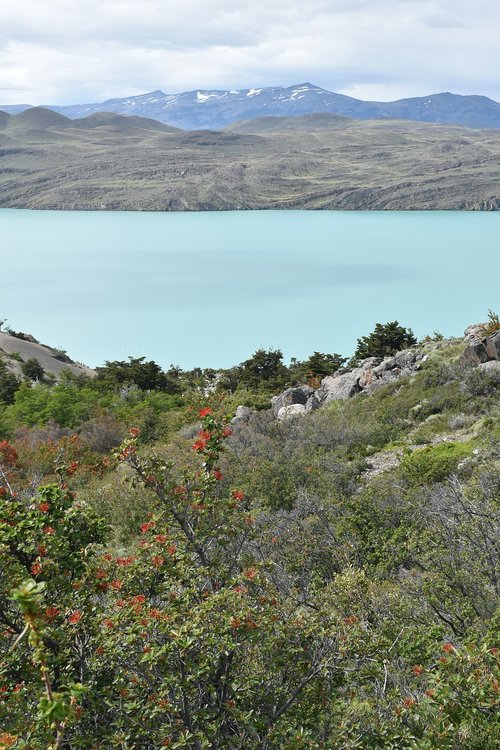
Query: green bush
x=433 y=463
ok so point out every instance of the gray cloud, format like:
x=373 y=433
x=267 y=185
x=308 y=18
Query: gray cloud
x=62 y=52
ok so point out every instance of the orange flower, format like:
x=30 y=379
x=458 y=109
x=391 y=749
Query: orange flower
x=117 y=585
x=217 y=474
x=238 y=495
x=145 y=527
x=417 y=669
x=199 y=445
x=171 y=549
x=134 y=432
x=42 y=550
x=6 y=740
x=75 y=617
x=51 y=613
x=36 y=569
x=124 y=561
x=409 y=702
x=250 y=573
x=449 y=648
x=205 y=412
x=157 y=560
x=161 y=538
x=43 y=507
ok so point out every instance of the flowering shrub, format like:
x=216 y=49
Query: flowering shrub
x=211 y=628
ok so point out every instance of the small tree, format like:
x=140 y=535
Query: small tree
x=319 y=365
x=264 y=367
x=32 y=369
x=386 y=339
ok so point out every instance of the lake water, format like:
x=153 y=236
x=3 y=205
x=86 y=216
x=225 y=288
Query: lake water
x=208 y=289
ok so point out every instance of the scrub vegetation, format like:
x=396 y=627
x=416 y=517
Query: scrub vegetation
x=170 y=578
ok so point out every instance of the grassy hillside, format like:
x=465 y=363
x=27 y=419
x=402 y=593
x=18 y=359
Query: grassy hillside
x=329 y=581
x=324 y=161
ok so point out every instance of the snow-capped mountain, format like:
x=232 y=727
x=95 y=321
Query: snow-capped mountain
x=201 y=109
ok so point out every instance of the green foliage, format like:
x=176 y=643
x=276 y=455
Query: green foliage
x=433 y=463
x=8 y=384
x=493 y=324
x=318 y=365
x=386 y=339
x=318 y=583
x=148 y=376
x=265 y=369
x=32 y=369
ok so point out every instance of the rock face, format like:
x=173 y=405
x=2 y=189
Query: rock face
x=369 y=375
x=481 y=350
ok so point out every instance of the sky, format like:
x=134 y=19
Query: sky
x=75 y=51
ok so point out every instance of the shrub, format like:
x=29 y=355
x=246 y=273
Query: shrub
x=433 y=463
x=32 y=369
x=386 y=339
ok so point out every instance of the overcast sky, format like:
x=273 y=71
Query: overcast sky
x=70 y=51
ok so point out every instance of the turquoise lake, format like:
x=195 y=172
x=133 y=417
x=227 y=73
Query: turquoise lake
x=208 y=289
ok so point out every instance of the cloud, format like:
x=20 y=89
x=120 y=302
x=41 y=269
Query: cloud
x=85 y=50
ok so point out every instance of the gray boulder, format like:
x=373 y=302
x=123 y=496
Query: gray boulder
x=291 y=411
x=242 y=414
x=476 y=352
x=492 y=367
x=473 y=332
x=492 y=344
x=297 y=395
x=339 y=387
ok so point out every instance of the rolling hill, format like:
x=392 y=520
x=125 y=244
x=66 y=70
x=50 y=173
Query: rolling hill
x=320 y=161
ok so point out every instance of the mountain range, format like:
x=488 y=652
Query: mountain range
x=215 y=109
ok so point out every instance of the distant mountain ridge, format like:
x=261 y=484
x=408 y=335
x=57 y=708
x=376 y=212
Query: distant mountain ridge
x=216 y=109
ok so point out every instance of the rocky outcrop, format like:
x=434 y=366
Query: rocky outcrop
x=481 y=349
x=347 y=382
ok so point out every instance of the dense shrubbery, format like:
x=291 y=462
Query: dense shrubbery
x=194 y=587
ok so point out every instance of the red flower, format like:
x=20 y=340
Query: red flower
x=43 y=507
x=36 y=569
x=218 y=475
x=250 y=573
x=145 y=527
x=226 y=432
x=134 y=432
x=49 y=530
x=42 y=550
x=157 y=560
x=72 y=468
x=117 y=585
x=51 y=613
x=108 y=623
x=199 y=445
x=161 y=538
x=107 y=556
x=179 y=490
x=417 y=669
x=8 y=453
x=75 y=617
x=449 y=648
x=205 y=412
x=171 y=549
x=238 y=494
x=124 y=561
